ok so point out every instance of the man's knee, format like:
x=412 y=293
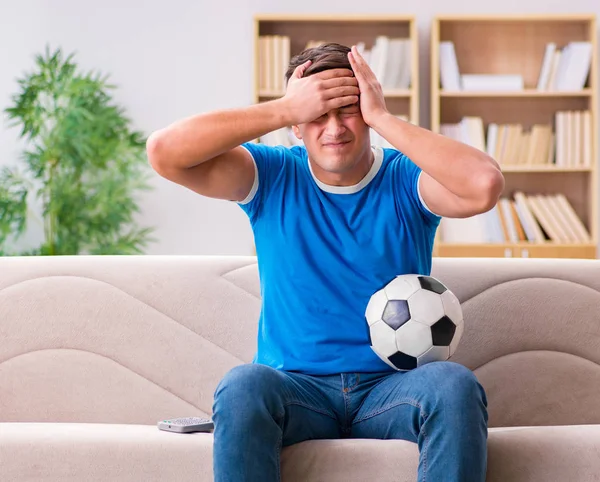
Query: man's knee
x=455 y=383
x=247 y=384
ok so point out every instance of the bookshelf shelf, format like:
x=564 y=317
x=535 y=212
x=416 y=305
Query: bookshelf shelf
x=539 y=120
x=518 y=250
x=518 y=93
x=507 y=168
x=383 y=38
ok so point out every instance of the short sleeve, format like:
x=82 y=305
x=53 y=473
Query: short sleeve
x=269 y=162
x=409 y=174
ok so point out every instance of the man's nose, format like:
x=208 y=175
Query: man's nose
x=334 y=127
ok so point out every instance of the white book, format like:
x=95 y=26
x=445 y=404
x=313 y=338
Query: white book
x=449 y=73
x=508 y=219
x=563 y=68
x=492 y=139
x=464 y=230
x=472 y=132
x=405 y=77
x=493 y=82
x=546 y=66
x=381 y=51
x=396 y=62
x=579 y=66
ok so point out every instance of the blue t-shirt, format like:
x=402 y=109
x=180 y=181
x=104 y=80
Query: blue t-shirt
x=324 y=250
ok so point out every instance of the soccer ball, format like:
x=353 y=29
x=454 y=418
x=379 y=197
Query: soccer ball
x=414 y=320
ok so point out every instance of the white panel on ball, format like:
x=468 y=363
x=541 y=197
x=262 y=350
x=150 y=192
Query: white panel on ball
x=452 y=306
x=426 y=307
x=375 y=307
x=383 y=337
x=414 y=338
x=460 y=328
x=435 y=353
x=402 y=287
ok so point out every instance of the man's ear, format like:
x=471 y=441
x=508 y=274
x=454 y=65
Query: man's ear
x=297 y=132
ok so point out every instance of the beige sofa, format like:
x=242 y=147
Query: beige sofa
x=95 y=350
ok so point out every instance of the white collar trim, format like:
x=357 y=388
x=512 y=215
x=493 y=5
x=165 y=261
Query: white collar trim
x=377 y=161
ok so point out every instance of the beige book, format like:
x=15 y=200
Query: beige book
x=546 y=140
x=503 y=223
x=561 y=217
x=285 y=58
x=508 y=145
x=570 y=138
x=554 y=69
x=517 y=221
x=269 y=66
x=543 y=220
x=575 y=221
x=559 y=119
x=551 y=149
x=576 y=134
x=535 y=145
x=531 y=224
x=587 y=138
x=500 y=143
x=553 y=218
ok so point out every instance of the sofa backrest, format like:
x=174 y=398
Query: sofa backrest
x=135 y=339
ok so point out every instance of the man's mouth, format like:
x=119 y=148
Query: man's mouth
x=336 y=144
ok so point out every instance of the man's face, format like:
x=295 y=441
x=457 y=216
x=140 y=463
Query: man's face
x=337 y=140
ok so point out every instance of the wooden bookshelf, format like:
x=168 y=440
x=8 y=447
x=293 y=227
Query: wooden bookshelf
x=516 y=46
x=300 y=30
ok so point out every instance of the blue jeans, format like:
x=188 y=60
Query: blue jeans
x=440 y=406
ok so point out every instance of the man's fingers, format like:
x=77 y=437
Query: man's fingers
x=299 y=71
x=338 y=82
x=360 y=65
x=338 y=102
x=343 y=91
x=333 y=73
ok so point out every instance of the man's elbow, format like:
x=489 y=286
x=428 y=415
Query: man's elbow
x=160 y=157
x=491 y=188
x=154 y=148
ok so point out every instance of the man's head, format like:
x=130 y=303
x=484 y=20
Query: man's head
x=339 y=140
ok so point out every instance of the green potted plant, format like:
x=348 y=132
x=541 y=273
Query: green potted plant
x=82 y=162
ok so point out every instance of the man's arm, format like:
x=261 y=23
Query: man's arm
x=204 y=152
x=457 y=179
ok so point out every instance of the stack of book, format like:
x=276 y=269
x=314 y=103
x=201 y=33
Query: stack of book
x=565 y=69
x=569 y=145
x=274 y=59
x=533 y=218
x=389 y=58
x=390 y=61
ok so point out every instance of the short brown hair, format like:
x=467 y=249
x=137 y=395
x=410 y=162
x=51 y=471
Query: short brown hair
x=326 y=56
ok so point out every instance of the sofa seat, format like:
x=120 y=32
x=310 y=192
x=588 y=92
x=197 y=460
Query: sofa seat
x=123 y=452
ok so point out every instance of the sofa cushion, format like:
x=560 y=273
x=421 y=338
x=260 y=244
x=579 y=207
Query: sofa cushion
x=124 y=453
x=142 y=337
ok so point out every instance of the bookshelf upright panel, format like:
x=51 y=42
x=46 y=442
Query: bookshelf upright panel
x=525 y=90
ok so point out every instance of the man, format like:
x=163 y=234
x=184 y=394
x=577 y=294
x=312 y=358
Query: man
x=334 y=221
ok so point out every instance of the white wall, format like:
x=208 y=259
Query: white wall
x=177 y=58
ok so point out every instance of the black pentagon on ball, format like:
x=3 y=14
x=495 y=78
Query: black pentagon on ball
x=443 y=331
x=402 y=361
x=431 y=284
x=396 y=313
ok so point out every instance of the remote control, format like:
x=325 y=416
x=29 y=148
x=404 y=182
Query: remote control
x=186 y=424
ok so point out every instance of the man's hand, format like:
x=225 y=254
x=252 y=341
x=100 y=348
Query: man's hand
x=308 y=98
x=372 y=102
